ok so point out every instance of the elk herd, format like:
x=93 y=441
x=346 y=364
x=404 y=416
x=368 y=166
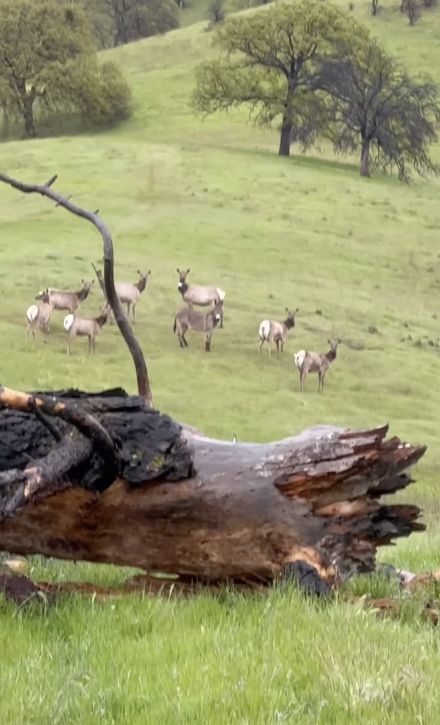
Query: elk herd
x=187 y=319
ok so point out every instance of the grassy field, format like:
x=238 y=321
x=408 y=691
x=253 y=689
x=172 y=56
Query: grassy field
x=355 y=256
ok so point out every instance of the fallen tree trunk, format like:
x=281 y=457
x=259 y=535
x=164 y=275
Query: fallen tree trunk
x=126 y=485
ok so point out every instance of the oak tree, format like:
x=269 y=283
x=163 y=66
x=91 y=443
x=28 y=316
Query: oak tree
x=48 y=64
x=267 y=63
x=117 y=22
x=377 y=109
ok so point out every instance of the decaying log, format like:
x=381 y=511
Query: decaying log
x=203 y=509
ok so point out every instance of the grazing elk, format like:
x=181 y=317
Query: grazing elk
x=85 y=327
x=276 y=332
x=39 y=315
x=128 y=292
x=200 y=295
x=315 y=362
x=70 y=301
x=187 y=319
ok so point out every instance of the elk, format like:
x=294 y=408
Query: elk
x=85 y=327
x=66 y=300
x=39 y=315
x=200 y=295
x=276 y=332
x=128 y=293
x=315 y=362
x=187 y=319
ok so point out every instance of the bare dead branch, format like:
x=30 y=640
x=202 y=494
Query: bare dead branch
x=127 y=333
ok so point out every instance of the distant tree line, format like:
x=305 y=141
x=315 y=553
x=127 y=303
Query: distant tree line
x=412 y=8
x=317 y=73
x=116 y=22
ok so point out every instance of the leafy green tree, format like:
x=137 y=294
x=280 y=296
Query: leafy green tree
x=118 y=22
x=47 y=58
x=375 y=107
x=268 y=63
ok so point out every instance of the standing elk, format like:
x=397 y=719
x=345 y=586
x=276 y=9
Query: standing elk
x=187 y=319
x=128 y=292
x=85 y=327
x=38 y=316
x=200 y=295
x=70 y=301
x=315 y=362
x=276 y=332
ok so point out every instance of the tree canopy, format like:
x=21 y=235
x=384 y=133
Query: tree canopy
x=268 y=62
x=375 y=107
x=117 y=22
x=48 y=62
x=319 y=73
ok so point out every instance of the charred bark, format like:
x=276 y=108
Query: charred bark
x=203 y=509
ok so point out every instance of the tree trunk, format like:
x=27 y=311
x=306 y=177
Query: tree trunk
x=286 y=135
x=365 y=158
x=29 y=122
x=26 y=105
x=167 y=500
x=286 y=126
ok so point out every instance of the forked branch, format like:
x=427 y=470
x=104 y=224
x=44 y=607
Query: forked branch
x=127 y=333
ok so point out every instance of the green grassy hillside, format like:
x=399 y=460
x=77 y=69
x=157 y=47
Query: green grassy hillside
x=360 y=258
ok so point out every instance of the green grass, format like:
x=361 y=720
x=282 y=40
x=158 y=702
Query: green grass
x=306 y=232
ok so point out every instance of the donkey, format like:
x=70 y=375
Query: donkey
x=200 y=295
x=66 y=300
x=187 y=319
x=128 y=293
x=39 y=315
x=315 y=362
x=85 y=327
x=276 y=332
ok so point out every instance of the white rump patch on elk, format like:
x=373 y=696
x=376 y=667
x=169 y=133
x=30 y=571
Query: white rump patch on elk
x=264 y=330
x=299 y=358
x=32 y=313
x=68 y=322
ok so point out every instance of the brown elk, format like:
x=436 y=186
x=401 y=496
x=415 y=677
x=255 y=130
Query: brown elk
x=187 y=319
x=315 y=362
x=38 y=316
x=276 y=332
x=85 y=327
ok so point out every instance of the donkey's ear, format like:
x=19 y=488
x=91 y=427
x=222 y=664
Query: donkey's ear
x=330 y=343
x=139 y=272
x=188 y=271
x=149 y=272
x=178 y=270
x=297 y=310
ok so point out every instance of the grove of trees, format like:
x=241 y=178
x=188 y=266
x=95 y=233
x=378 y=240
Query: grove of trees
x=116 y=22
x=48 y=63
x=317 y=73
